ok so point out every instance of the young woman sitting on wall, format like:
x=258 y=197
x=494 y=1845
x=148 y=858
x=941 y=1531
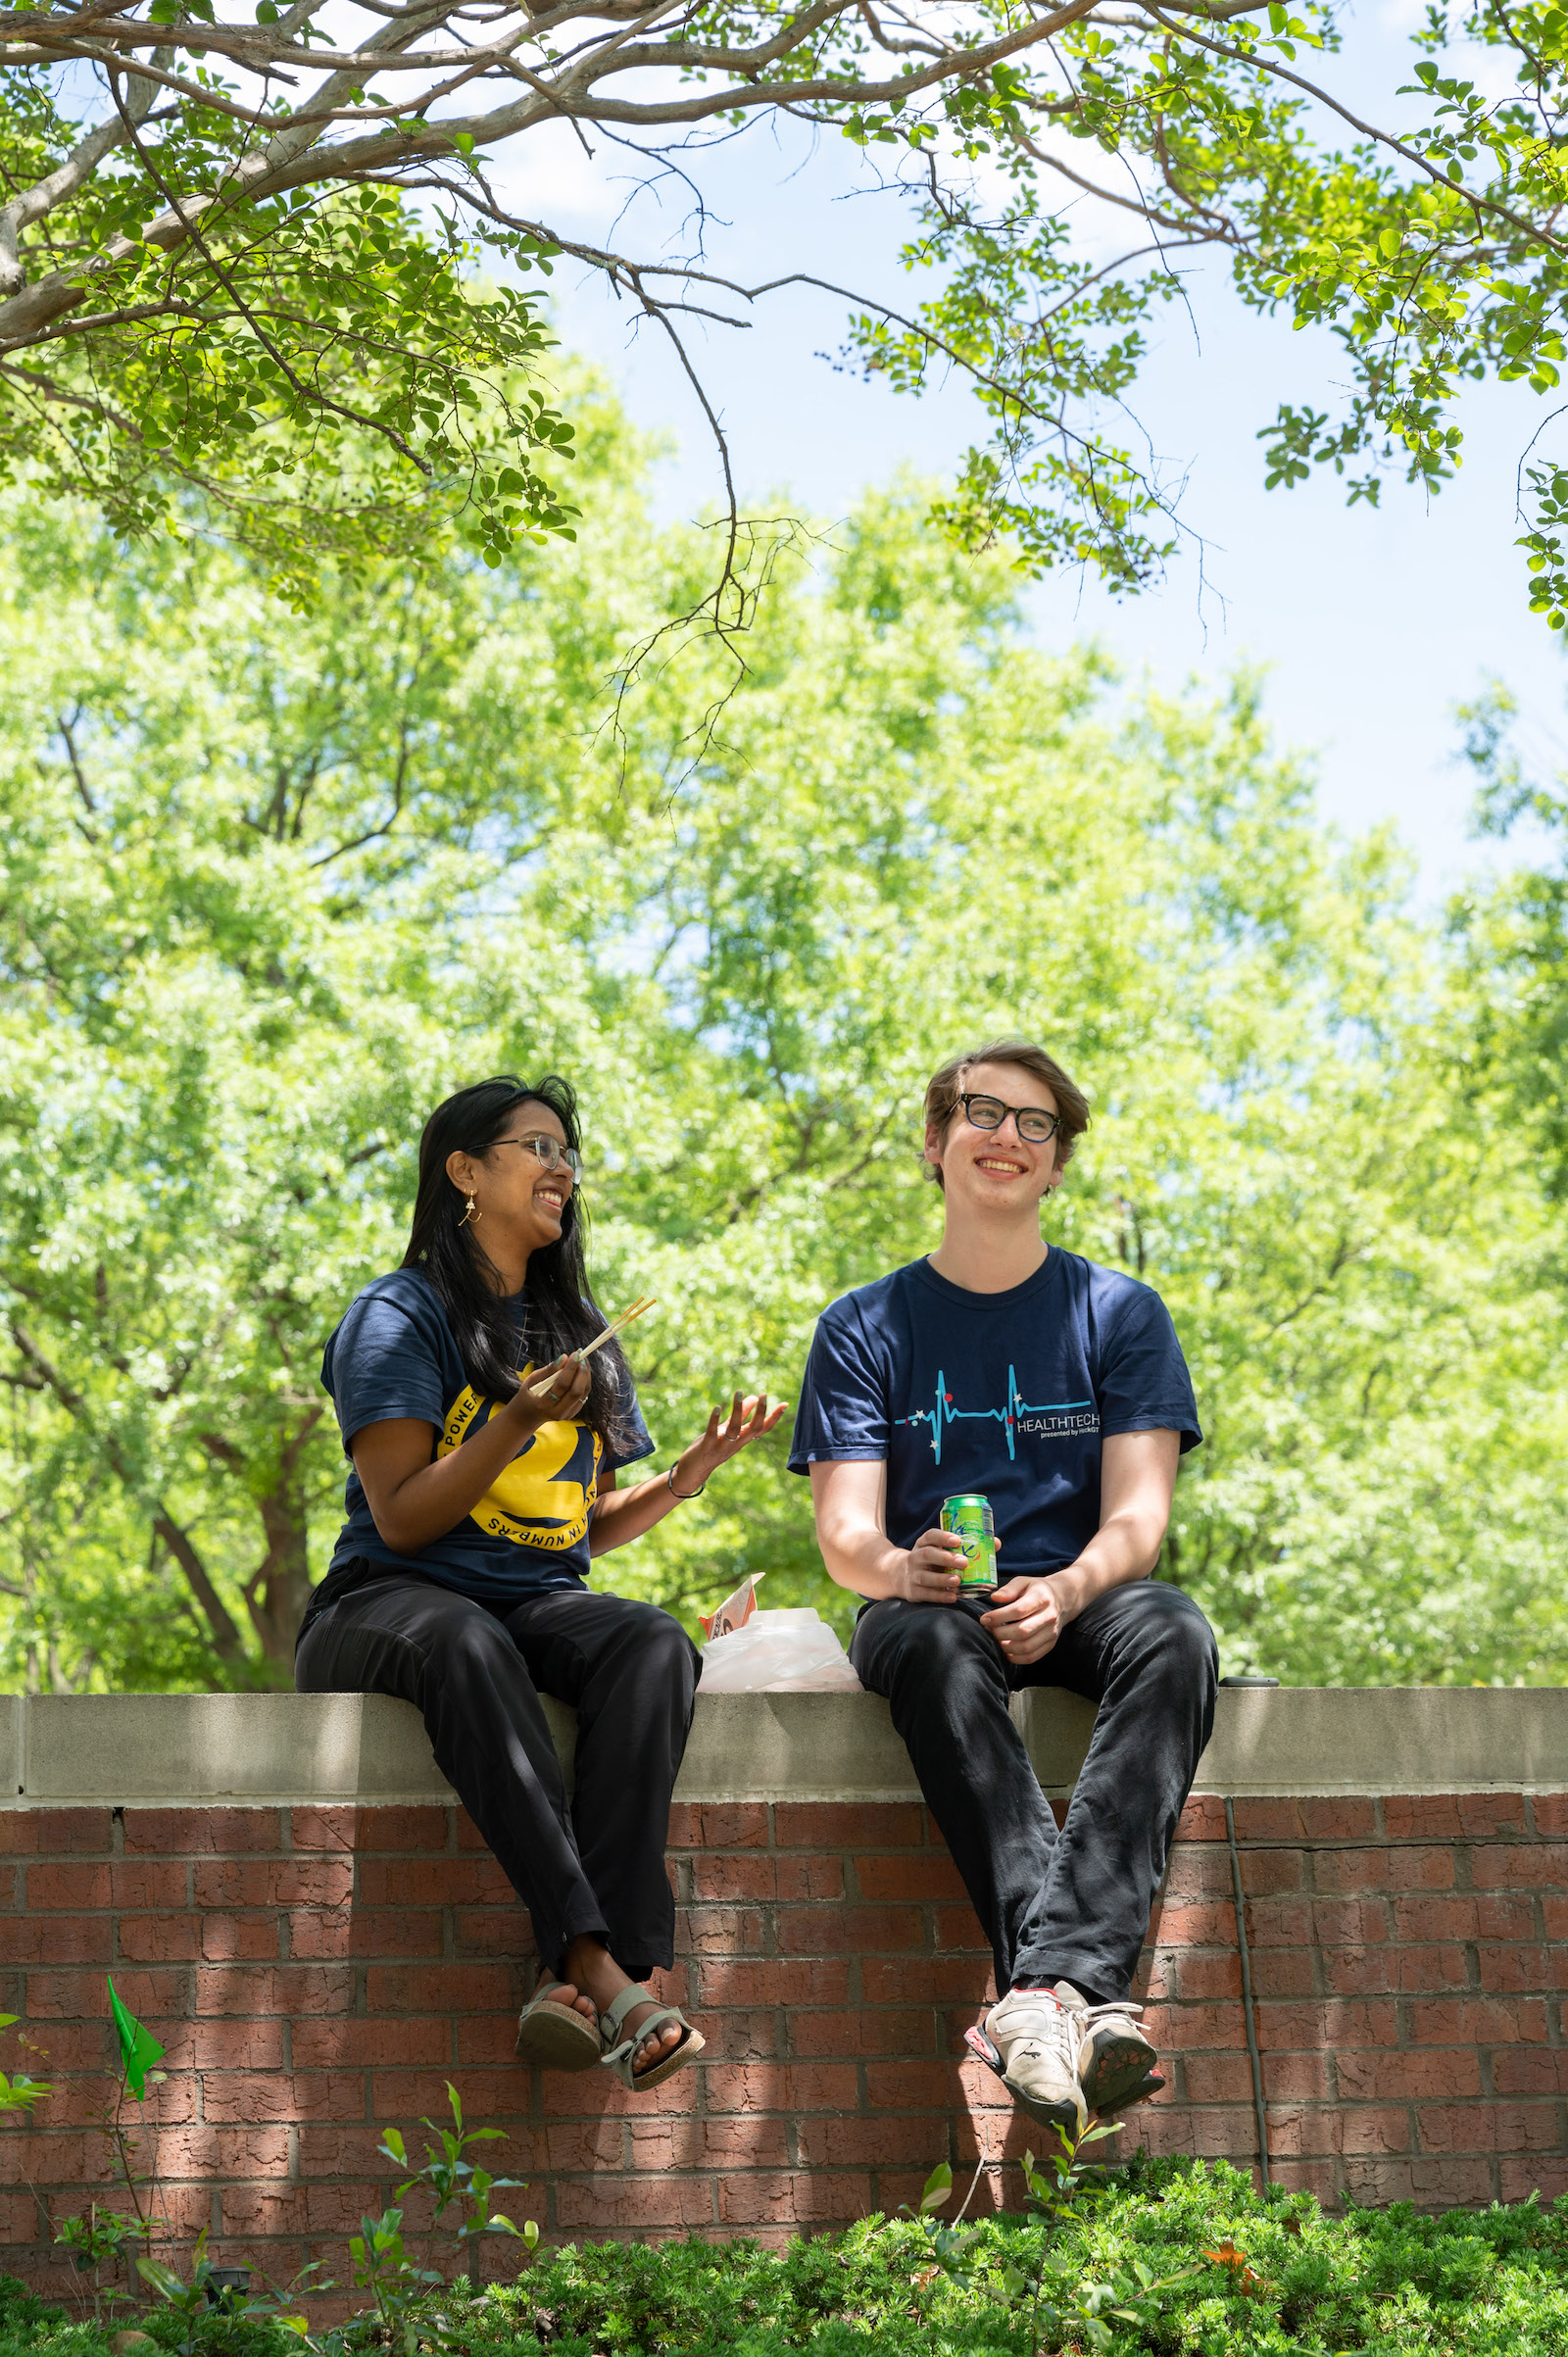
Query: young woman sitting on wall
x=484 y=1459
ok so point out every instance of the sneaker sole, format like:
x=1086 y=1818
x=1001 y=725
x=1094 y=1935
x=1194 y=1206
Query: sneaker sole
x=1147 y=2087
x=1117 y=2066
x=1070 y=2117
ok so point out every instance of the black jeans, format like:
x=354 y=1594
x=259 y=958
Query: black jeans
x=630 y=1672
x=1074 y=1905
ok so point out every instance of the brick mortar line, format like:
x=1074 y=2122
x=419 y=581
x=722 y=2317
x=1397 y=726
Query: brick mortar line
x=1311 y=1842
x=1501 y=1837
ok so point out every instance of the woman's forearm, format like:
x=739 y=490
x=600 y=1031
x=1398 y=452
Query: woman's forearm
x=623 y=1514
x=415 y=1497
x=620 y=1515
x=873 y=1568
x=426 y=1503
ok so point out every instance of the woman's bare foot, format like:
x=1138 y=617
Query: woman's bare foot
x=563 y=1993
x=592 y=1968
x=656 y=2044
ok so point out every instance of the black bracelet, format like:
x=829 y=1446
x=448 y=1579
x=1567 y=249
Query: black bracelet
x=684 y=1495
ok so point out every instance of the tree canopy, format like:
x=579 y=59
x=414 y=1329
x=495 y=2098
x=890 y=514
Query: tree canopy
x=267 y=251
x=270 y=884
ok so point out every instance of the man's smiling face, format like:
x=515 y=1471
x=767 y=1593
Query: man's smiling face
x=994 y=1171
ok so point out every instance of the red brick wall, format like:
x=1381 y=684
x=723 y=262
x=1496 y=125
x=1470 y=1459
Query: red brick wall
x=316 y=1973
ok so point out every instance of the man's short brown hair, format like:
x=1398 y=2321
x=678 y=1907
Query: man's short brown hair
x=946 y=1087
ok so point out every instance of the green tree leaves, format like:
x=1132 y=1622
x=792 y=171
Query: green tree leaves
x=270 y=260
x=322 y=367
x=273 y=883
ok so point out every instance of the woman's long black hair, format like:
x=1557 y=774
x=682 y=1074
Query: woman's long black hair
x=452 y=1258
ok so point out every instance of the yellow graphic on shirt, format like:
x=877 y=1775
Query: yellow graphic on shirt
x=545 y=1498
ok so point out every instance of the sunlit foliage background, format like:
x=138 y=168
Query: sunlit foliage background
x=274 y=881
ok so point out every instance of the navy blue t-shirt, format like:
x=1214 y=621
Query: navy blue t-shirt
x=1008 y=1394
x=394 y=1355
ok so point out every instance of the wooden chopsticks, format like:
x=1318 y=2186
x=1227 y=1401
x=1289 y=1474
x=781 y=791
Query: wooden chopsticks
x=642 y=1303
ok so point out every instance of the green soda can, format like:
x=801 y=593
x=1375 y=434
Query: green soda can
x=971 y=1519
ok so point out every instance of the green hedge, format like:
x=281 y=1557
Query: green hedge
x=1481 y=2284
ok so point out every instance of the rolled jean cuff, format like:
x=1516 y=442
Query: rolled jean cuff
x=1091 y=1976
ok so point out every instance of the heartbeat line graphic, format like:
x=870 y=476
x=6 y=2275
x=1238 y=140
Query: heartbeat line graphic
x=942 y=1412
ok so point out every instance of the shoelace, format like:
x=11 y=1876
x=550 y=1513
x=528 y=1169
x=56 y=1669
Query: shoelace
x=1058 y=2028
x=1100 y=2013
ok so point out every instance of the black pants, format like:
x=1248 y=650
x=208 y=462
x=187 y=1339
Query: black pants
x=1074 y=1905
x=630 y=1672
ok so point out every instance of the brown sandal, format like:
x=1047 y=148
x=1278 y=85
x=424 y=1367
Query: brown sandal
x=620 y=2045
x=553 y=2036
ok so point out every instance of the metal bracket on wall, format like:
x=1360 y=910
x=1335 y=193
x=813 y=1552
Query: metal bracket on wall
x=1258 y=2106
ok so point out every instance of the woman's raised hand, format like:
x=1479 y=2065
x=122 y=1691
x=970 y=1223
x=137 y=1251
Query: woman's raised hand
x=550 y=1395
x=747 y=1420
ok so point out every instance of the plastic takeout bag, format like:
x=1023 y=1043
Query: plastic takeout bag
x=778 y=1653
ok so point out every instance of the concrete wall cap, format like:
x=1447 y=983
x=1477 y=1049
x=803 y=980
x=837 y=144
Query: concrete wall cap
x=126 y=1748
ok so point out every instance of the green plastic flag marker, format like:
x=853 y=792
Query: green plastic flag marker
x=138 y=2048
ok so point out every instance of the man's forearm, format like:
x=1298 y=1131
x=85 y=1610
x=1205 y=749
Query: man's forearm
x=1126 y=1547
x=846 y=1496
x=865 y=1561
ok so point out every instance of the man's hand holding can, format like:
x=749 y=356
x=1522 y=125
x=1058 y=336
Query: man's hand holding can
x=931 y=1569
x=958 y=1559
x=970 y=1520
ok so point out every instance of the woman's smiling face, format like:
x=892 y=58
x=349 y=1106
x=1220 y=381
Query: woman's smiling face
x=533 y=1192
x=512 y=1189
x=995 y=1170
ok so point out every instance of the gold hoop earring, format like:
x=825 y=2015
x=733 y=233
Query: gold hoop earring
x=472 y=1213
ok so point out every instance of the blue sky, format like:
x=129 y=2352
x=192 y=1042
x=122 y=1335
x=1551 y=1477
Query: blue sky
x=1371 y=625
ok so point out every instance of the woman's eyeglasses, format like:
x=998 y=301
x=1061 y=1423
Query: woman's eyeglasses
x=1035 y=1125
x=550 y=1153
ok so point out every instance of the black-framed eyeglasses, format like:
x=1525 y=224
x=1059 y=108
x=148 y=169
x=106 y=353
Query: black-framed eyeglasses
x=550 y=1152
x=1036 y=1126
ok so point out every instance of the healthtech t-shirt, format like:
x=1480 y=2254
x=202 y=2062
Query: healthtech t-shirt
x=1008 y=1394
x=394 y=1355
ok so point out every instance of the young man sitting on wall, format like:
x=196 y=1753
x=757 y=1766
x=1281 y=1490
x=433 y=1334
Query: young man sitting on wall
x=1058 y=1390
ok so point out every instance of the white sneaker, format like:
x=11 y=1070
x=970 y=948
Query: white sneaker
x=1045 y=2034
x=1039 y=2038
x=1114 y=2058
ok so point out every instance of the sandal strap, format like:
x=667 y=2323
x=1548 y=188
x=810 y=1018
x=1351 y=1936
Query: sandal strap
x=620 y=2056
x=543 y=1996
x=615 y=2012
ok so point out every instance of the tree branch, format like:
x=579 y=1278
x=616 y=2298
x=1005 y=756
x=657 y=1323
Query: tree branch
x=225 y=1631
x=1368 y=131
x=295 y=158
x=226 y=1641
x=78 y=168
x=311 y=396
x=76 y=771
